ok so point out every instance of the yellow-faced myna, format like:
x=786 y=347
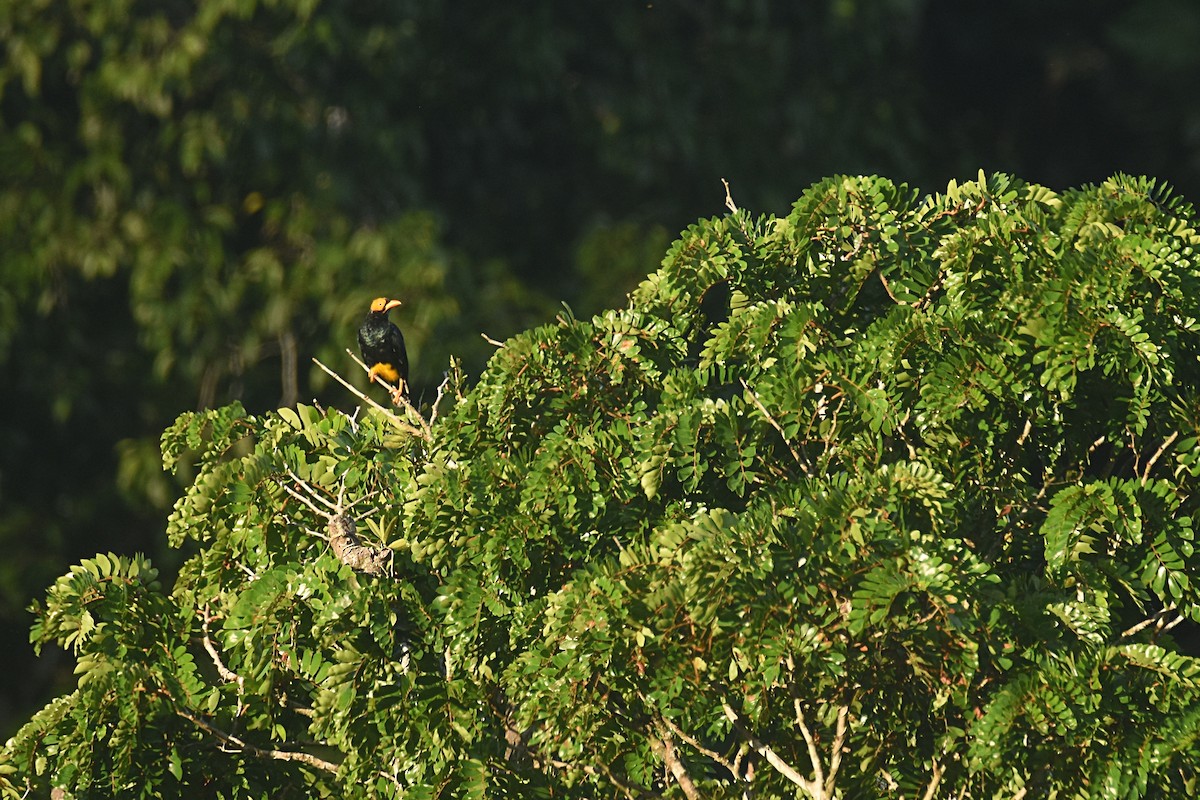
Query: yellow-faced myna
x=382 y=347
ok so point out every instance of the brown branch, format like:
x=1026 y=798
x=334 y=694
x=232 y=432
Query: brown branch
x=813 y=756
x=395 y=420
x=1155 y=620
x=333 y=508
x=782 y=767
x=259 y=752
x=665 y=747
x=397 y=396
x=1154 y=458
x=931 y=790
x=839 y=742
x=714 y=755
x=774 y=424
x=729 y=198
x=228 y=675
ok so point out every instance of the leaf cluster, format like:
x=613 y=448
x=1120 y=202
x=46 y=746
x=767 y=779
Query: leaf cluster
x=891 y=496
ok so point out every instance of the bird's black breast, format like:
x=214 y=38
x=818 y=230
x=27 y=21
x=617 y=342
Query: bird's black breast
x=382 y=343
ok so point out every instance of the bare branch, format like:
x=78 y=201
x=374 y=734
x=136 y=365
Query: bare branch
x=395 y=420
x=1156 y=619
x=714 y=755
x=771 y=420
x=398 y=398
x=839 y=742
x=782 y=767
x=931 y=790
x=225 y=672
x=491 y=341
x=813 y=755
x=334 y=508
x=259 y=752
x=666 y=749
x=1025 y=432
x=1154 y=458
x=729 y=198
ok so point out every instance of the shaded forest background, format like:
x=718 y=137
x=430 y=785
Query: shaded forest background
x=198 y=197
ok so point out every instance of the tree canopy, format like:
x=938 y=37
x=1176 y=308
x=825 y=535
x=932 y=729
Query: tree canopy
x=196 y=197
x=891 y=496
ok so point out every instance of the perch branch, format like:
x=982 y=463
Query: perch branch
x=835 y=755
x=395 y=420
x=931 y=790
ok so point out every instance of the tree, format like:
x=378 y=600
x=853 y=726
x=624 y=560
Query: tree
x=892 y=496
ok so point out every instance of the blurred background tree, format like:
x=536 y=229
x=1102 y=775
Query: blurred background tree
x=197 y=197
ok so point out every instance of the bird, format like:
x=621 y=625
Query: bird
x=382 y=346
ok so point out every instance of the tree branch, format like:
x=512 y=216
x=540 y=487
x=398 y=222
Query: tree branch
x=771 y=420
x=931 y=790
x=1154 y=458
x=665 y=747
x=813 y=755
x=782 y=767
x=228 y=675
x=695 y=745
x=835 y=754
x=400 y=399
x=395 y=420
x=242 y=746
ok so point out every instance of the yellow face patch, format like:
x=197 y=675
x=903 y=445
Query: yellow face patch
x=385 y=371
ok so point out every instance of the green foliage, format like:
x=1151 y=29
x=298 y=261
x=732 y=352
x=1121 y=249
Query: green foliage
x=892 y=496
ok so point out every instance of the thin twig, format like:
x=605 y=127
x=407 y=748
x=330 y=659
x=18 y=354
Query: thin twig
x=225 y=672
x=395 y=420
x=774 y=424
x=782 y=767
x=1156 y=620
x=931 y=790
x=244 y=746
x=729 y=198
x=336 y=509
x=437 y=401
x=397 y=395
x=835 y=754
x=491 y=341
x=1154 y=458
x=713 y=754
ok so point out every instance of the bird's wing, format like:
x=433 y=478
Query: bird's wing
x=395 y=341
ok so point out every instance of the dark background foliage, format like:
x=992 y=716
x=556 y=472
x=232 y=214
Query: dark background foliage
x=195 y=198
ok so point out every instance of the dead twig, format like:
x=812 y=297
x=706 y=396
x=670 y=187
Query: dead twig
x=391 y=416
x=762 y=409
x=242 y=746
x=729 y=197
x=398 y=398
x=1155 y=457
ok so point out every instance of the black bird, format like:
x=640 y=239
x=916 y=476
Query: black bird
x=382 y=347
